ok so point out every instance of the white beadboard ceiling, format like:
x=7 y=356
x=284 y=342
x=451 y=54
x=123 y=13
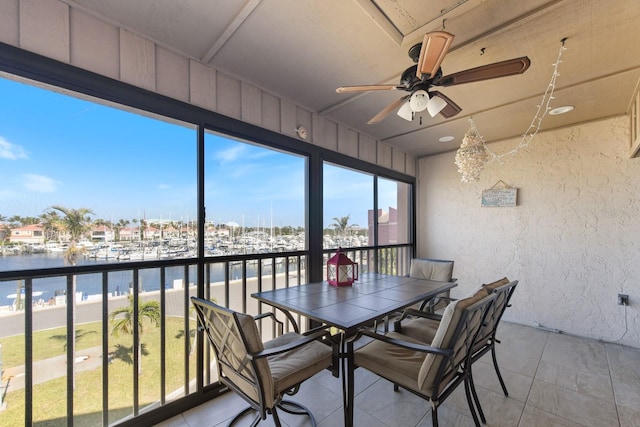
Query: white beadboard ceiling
x=302 y=50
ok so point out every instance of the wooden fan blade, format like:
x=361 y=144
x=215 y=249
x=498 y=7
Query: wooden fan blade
x=389 y=108
x=485 y=72
x=434 y=47
x=365 y=88
x=451 y=109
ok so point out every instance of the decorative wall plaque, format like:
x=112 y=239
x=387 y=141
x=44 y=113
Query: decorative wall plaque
x=500 y=196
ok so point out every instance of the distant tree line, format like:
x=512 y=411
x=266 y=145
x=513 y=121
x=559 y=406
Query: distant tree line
x=50 y=221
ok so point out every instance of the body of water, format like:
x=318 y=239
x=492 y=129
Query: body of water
x=91 y=284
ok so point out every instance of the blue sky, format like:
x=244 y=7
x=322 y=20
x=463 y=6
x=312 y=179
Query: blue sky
x=60 y=150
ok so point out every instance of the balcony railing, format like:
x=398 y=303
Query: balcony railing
x=121 y=374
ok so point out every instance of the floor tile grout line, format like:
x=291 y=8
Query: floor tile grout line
x=533 y=379
x=536 y=372
x=613 y=390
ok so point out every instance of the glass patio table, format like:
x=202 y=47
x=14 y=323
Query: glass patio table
x=373 y=297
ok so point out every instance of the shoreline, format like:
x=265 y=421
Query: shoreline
x=5 y=310
x=54 y=316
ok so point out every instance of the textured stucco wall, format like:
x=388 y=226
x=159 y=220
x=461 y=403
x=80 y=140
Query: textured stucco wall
x=573 y=241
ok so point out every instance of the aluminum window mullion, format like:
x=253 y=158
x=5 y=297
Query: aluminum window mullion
x=186 y=330
x=71 y=326
x=163 y=343
x=105 y=349
x=28 y=347
x=136 y=341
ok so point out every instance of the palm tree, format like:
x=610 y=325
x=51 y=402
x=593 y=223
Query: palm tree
x=122 y=223
x=122 y=319
x=341 y=224
x=50 y=220
x=4 y=232
x=75 y=222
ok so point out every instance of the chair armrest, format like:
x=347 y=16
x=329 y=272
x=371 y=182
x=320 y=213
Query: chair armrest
x=443 y=298
x=406 y=344
x=435 y=300
x=280 y=323
x=420 y=313
x=397 y=324
x=304 y=339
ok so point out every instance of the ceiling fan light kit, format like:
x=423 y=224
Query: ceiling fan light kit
x=419 y=101
x=436 y=104
x=405 y=111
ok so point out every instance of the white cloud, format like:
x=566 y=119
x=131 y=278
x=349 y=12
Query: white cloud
x=163 y=186
x=10 y=151
x=40 y=183
x=231 y=154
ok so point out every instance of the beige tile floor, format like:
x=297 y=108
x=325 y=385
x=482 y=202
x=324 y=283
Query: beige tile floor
x=553 y=380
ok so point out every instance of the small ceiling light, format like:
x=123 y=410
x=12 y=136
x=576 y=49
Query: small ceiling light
x=446 y=138
x=419 y=100
x=405 y=111
x=561 y=110
x=436 y=104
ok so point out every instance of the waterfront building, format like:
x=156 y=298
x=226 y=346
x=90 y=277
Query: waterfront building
x=29 y=234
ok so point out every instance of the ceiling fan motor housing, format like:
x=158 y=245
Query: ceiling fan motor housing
x=414 y=52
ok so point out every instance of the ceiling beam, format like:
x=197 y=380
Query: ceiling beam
x=233 y=26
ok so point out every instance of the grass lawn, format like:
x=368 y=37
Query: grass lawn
x=49 y=398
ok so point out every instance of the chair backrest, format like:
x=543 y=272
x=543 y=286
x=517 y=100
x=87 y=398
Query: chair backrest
x=457 y=331
x=235 y=337
x=431 y=269
x=503 y=289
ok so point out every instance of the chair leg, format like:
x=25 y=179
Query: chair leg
x=242 y=414
x=475 y=396
x=467 y=390
x=276 y=418
x=296 y=408
x=434 y=415
x=287 y=406
x=495 y=365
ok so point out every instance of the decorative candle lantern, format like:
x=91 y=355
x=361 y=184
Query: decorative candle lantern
x=341 y=271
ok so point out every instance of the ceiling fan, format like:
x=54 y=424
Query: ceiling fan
x=420 y=78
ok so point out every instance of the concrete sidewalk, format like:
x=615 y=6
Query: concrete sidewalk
x=54 y=367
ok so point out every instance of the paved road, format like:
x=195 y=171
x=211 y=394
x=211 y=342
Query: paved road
x=48 y=317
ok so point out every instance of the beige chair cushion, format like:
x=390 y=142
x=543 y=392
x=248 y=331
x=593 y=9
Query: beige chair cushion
x=414 y=369
x=496 y=284
x=489 y=325
x=421 y=329
x=399 y=365
x=443 y=336
x=280 y=372
x=254 y=345
x=431 y=269
x=295 y=366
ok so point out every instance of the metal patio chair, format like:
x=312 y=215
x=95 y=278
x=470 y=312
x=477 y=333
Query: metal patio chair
x=434 y=370
x=423 y=326
x=261 y=373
